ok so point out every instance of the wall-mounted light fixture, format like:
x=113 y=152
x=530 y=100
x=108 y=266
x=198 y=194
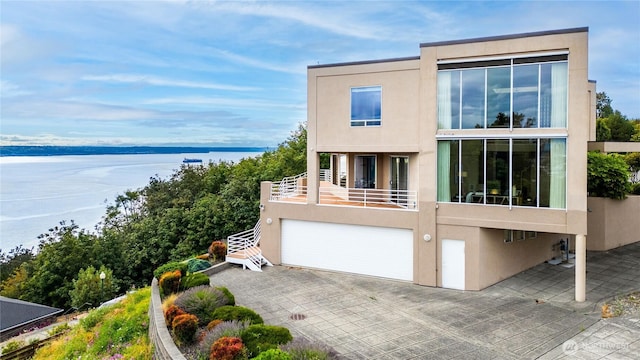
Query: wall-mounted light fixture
x=269 y=221
x=427 y=237
x=261 y=207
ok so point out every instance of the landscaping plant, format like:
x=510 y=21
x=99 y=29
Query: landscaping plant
x=240 y=313
x=201 y=301
x=227 y=348
x=193 y=280
x=218 y=250
x=170 y=282
x=185 y=327
x=259 y=337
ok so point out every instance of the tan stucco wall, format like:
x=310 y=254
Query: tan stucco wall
x=400 y=105
x=409 y=127
x=613 y=223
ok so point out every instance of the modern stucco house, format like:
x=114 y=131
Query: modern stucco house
x=456 y=168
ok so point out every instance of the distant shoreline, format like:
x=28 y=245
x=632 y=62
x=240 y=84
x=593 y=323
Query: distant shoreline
x=117 y=150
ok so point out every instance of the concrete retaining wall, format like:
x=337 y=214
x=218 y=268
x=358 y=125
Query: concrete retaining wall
x=612 y=223
x=163 y=346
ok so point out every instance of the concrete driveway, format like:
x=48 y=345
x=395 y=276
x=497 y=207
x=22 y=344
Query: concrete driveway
x=370 y=318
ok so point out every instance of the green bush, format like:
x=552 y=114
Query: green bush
x=93 y=318
x=239 y=313
x=259 y=337
x=193 y=280
x=195 y=265
x=12 y=346
x=201 y=301
x=231 y=300
x=228 y=348
x=170 y=266
x=302 y=349
x=635 y=189
x=62 y=328
x=218 y=250
x=608 y=175
x=273 y=354
x=169 y=282
x=185 y=327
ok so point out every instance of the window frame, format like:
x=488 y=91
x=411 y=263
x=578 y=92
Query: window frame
x=367 y=121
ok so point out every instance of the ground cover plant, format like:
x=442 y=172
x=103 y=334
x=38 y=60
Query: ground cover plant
x=118 y=331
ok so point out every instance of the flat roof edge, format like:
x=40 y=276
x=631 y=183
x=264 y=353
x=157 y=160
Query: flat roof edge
x=365 y=62
x=507 y=37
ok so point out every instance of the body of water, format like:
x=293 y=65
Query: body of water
x=37 y=192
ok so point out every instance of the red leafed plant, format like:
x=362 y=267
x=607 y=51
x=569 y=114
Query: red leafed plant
x=218 y=250
x=227 y=348
x=185 y=327
x=171 y=313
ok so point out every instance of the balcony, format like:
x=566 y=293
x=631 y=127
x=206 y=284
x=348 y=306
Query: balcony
x=294 y=190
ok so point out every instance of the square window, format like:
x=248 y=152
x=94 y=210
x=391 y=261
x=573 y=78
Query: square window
x=366 y=106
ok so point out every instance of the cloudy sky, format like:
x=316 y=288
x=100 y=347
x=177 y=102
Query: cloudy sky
x=233 y=73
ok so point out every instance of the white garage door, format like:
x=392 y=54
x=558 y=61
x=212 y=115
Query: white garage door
x=368 y=250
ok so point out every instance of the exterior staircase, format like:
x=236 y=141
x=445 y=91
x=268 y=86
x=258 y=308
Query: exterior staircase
x=243 y=248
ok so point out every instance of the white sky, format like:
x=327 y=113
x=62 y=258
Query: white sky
x=233 y=73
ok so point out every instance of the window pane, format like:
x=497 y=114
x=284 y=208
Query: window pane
x=498 y=97
x=553 y=165
x=553 y=95
x=525 y=165
x=447 y=167
x=472 y=172
x=448 y=99
x=525 y=96
x=473 y=99
x=497 y=186
x=365 y=172
x=365 y=103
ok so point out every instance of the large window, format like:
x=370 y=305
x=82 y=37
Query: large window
x=506 y=93
x=366 y=106
x=511 y=172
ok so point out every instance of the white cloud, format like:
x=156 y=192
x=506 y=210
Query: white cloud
x=159 y=81
x=8 y=89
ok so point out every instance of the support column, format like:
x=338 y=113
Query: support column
x=581 y=267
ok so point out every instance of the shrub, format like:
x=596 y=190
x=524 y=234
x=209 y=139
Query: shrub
x=273 y=354
x=170 y=282
x=62 y=328
x=303 y=349
x=258 y=338
x=193 y=280
x=12 y=346
x=203 y=256
x=195 y=265
x=185 y=327
x=201 y=301
x=213 y=323
x=231 y=300
x=241 y=313
x=227 y=328
x=218 y=250
x=608 y=175
x=170 y=266
x=168 y=301
x=227 y=348
x=635 y=189
x=171 y=313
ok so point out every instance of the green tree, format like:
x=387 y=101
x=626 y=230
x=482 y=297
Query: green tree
x=10 y=262
x=13 y=286
x=89 y=288
x=603 y=105
x=621 y=128
x=603 y=133
x=607 y=175
x=63 y=252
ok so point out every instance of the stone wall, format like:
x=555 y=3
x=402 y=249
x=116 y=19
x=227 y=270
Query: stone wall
x=163 y=346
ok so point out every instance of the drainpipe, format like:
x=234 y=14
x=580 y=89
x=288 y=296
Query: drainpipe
x=581 y=267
